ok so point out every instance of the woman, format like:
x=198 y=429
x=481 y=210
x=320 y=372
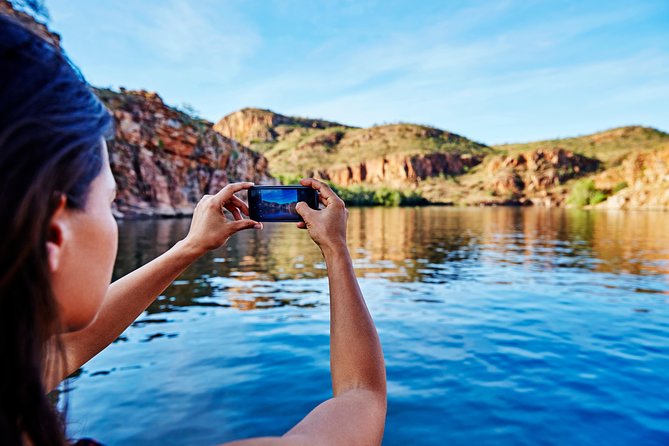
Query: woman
x=59 y=241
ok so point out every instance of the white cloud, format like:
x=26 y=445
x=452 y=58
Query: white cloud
x=203 y=36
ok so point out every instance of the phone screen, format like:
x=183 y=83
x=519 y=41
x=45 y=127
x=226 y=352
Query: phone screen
x=277 y=203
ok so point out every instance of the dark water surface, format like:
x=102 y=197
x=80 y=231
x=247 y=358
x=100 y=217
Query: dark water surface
x=499 y=326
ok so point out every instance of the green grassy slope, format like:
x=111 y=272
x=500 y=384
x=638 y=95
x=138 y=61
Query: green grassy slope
x=307 y=149
x=609 y=146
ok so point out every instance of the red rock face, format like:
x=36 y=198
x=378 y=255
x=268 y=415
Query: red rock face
x=401 y=169
x=164 y=161
x=646 y=175
x=533 y=174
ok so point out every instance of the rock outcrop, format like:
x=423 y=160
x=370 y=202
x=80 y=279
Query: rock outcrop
x=533 y=175
x=253 y=125
x=643 y=179
x=164 y=160
x=400 y=169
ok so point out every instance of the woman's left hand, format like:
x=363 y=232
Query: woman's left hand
x=210 y=228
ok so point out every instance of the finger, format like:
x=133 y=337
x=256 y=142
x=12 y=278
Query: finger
x=301 y=225
x=237 y=214
x=304 y=210
x=233 y=210
x=321 y=187
x=240 y=204
x=240 y=225
x=228 y=191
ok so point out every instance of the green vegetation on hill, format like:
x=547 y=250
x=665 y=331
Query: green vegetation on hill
x=297 y=145
x=584 y=193
x=609 y=146
x=359 y=195
x=306 y=149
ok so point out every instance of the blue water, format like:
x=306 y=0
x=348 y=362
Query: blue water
x=499 y=326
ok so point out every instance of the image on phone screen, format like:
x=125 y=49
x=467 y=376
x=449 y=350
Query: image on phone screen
x=278 y=203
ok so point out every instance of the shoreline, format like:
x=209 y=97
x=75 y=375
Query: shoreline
x=177 y=215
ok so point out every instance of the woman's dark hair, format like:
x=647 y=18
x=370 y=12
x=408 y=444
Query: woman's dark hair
x=51 y=129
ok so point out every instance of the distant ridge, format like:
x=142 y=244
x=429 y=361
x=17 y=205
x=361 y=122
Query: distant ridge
x=606 y=145
x=629 y=165
x=344 y=154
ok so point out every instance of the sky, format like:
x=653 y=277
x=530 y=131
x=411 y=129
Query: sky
x=280 y=196
x=493 y=71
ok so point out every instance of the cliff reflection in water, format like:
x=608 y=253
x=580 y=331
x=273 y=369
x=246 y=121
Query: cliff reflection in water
x=434 y=244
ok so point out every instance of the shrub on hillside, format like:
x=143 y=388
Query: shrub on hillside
x=584 y=193
x=359 y=195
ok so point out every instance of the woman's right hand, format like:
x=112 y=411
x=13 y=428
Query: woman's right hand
x=327 y=227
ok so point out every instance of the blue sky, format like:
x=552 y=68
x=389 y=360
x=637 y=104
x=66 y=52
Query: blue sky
x=281 y=196
x=494 y=71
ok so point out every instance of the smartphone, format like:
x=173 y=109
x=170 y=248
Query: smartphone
x=277 y=203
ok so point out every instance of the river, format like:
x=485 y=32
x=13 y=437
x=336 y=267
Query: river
x=500 y=326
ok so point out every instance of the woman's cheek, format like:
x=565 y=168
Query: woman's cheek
x=105 y=253
x=112 y=247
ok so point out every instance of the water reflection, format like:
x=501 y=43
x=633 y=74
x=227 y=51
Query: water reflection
x=431 y=245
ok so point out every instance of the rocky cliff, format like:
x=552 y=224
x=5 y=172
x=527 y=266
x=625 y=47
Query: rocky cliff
x=399 y=169
x=256 y=127
x=164 y=160
x=643 y=180
x=629 y=166
x=535 y=176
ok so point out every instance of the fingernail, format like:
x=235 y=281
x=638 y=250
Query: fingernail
x=258 y=226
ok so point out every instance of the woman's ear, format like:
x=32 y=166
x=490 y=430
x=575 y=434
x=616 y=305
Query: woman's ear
x=56 y=234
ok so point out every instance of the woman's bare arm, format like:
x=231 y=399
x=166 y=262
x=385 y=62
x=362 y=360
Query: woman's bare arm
x=356 y=413
x=130 y=295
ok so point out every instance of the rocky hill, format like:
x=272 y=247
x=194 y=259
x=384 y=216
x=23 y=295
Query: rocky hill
x=165 y=160
x=260 y=129
x=627 y=167
x=385 y=154
x=632 y=167
x=627 y=164
x=645 y=175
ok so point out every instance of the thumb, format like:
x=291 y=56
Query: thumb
x=304 y=210
x=239 y=225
